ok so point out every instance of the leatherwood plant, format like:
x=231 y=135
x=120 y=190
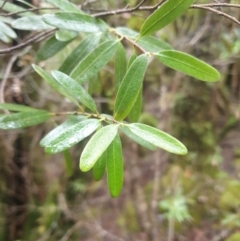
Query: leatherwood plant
x=98 y=46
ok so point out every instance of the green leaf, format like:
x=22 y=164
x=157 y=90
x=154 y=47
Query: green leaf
x=23 y=119
x=70 y=135
x=100 y=166
x=13 y=8
x=6 y=33
x=15 y=107
x=94 y=61
x=189 y=65
x=127 y=32
x=68 y=162
x=33 y=23
x=75 y=89
x=54 y=83
x=65 y=5
x=137 y=139
x=131 y=60
x=120 y=66
x=129 y=88
x=51 y=47
x=59 y=130
x=164 y=15
x=115 y=167
x=152 y=44
x=136 y=110
x=96 y=146
x=80 y=52
x=158 y=138
x=75 y=22
x=65 y=35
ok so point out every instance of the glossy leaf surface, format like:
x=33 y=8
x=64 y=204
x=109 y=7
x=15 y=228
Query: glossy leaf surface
x=74 y=89
x=54 y=83
x=158 y=138
x=65 y=5
x=94 y=61
x=115 y=167
x=51 y=47
x=136 y=110
x=80 y=52
x=100 y=166
x=120 y=66
x=75 y=22
x=59 y=130
x=23 y=119
x=152 y=44
x=130 y=87
x=96 y=146
x=189 y=65
x=137 y=138
x=164 y=15
x=70 y=135
x=30 y=23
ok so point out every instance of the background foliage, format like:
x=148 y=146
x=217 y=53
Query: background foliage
x=194 y=197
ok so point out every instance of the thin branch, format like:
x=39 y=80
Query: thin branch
x=4 y=2
x=130 y=10
x=213 y=5
x=34 y=39
x=220 y=13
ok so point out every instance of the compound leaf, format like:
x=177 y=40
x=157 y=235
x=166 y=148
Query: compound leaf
x=164 y=15
x=115 y=167
x=96 y=146
x=158 y=138
x=189 y=65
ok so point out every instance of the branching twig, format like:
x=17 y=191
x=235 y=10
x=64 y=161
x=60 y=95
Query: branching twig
x=34 y=39
x=220 y=13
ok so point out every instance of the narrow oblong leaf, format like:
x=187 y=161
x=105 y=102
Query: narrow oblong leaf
x=71 y=135
x=137 y=138
x=115 y=167
x=129 y=88
x=65 y=35
x=152 y=44
x=68 y=163
x=189 y=65
x=75 y=22
x=100 y=166
x=96 y=146
x=164 y=15
x=54 y=83
x=23 y=119
x=30 y=23
x=65 y=5
x=136 y=110
x=94 y=61
x=120 y=66
x=6 y=33
x=80 y=52
x=15 y=107
x=131 y=60
x=75 y=89
x=51 y=47
x=59 y=130
x=158 y=138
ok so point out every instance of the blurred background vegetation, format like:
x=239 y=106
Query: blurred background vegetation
x=165 y=197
